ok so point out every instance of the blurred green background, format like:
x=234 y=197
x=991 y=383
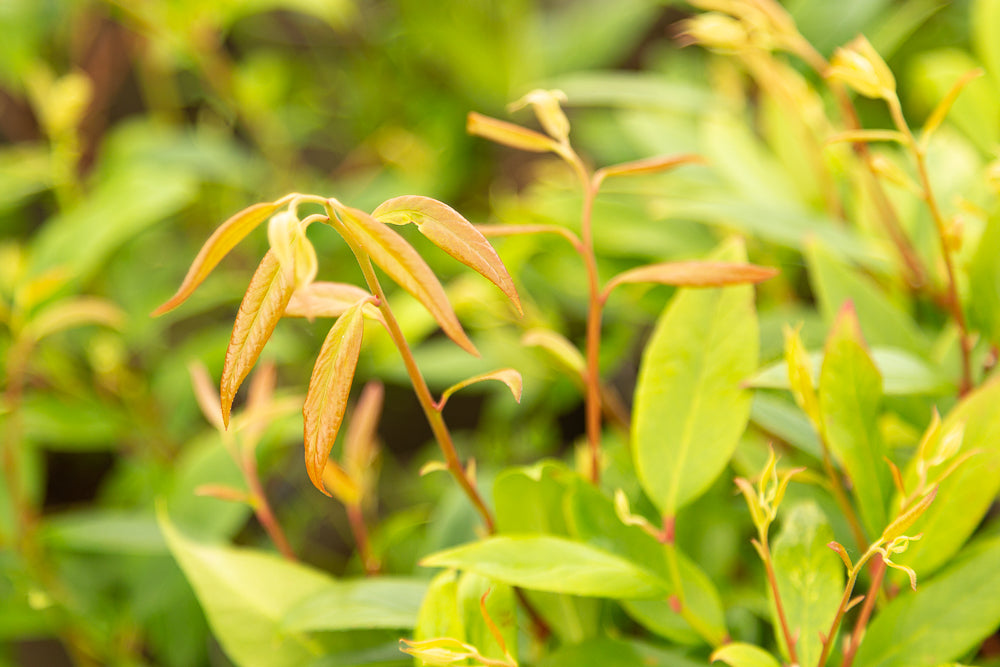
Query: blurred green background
x=132 y=128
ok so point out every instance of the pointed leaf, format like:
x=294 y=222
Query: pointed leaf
x=867 y=136
x=404 y=265
x=689 y=408
x=652 y=165
x=508 y=376
x=850 y=399
x=558 y=346
x=263 y=305
x=694 y=274
x=324 y=299
x=451 y=232
x=509 y=134
x=245 y=595
x=944 y=106
x=943 y=620
x=224 y=239
x=73 y=312
x=329 y=388
x=555 y=564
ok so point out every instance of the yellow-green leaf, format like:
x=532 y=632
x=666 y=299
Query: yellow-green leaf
x=224 y=239
x=694 y=274
x=509 y=134
x=651 y=165
x=329 y=388
x=508 y=376
x=404 y=265
x=451 y=232
x=744 y=655
x=73 y=312
x=263 y=305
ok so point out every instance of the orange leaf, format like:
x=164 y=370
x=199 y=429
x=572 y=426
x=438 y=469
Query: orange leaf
x=324 y=299
x=263 y=305
x=224 y=239
x=361 y=439
x=329 y=388
x=451 y=232
x=694 y=274
x=404 y=265
x=652 y=165
x=509 y=134
x=508 y=376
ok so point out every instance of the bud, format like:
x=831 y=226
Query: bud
x=716 y=31
x=859 y=66
x=546 y=104
x=296 y=255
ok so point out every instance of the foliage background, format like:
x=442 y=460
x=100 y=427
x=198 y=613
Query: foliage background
x=131 y=129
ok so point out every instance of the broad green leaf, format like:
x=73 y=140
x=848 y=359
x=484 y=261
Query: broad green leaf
x=104 y=531
x=850 y=398
x=744 y=655
x=943 y=619
x=554 y=564
x=439 y=614
x=329 y=387
x=222 y=240
x=382 y=602
x=883 y=323
x=245 y=595
x=694 y=274
x=902 y=373
x=965 y=496
x=404 y=265
x=810 y=578
x=690 y=409
x=501 y=605
x=71 y=423
x=984 y=281
x=782 y=418
x=263 y=305
x=451 y=232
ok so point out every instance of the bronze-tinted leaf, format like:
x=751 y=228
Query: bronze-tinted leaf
x=325 y=299
x=263 y=305
x=508 y=376
x=404 y=265
x=229 y=233
x=694 y=274
x=329 y=388
x=509 y=134
x=652 y=165
x=451 y=232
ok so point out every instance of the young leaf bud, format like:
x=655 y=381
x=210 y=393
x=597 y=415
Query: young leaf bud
x=546 y=104
x=717 y=32
x=859 y=66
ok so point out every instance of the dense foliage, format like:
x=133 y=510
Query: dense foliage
x=686 y=355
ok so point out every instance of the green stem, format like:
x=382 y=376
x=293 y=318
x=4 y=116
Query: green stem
x=844 y=602
x=878 y=573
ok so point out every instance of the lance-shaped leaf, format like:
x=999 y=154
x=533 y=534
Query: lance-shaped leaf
x=690 y=409
x=404 y=265
x=224 y=239
x=509 y=134
x=694 y=274
x=73 y=312
x=451 y=232
x=850 y=401
x=508 y=376
x=263 y=305
x=329 y=388
x=944 y=106
x=651 y=165
x=325 y=299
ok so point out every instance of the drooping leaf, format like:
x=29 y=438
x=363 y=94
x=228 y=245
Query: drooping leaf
x=943 y=619
x=383 y=602
x=850 y=398
x=404 y=265
x=652 y=165
x=263 y=305
x=810 y=578
x=245 y=595
x=508 y=376
x=694 y=274
x=689 y=408
x=451 y=232
x=329 y=388
x=222 y=240
x=744 y=655
x=549 y=563
x=965 y=496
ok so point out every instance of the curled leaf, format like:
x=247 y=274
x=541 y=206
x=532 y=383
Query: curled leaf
x=694 y=274
x=263 y=305
x=508 y=376
x=404 y=265
x=451 y=232
x=329 y=388
x=509 y=134
x=224 y=239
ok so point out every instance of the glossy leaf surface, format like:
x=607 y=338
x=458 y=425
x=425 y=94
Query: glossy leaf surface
x=383 y=602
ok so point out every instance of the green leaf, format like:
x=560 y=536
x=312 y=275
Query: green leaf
x=965 y=496
x=883 y=323
x=606 y=652
x=943 y=619
x=850 y=398
x=554 y=564
x=689 y=407
x=810 y=578
x=984 y=282
x=744 y=655
x=501 y=605
x=984 y=23
x=245 y=595
x=782 y=418
x=70 y=423
x=383 y=602
x=104 y=531
x=903 y=374
x=439 y=615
